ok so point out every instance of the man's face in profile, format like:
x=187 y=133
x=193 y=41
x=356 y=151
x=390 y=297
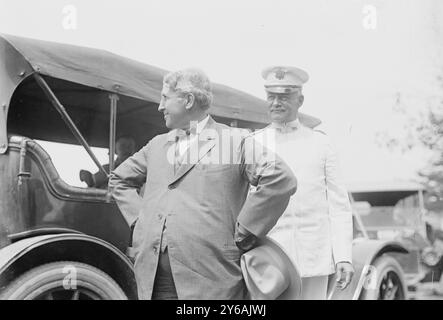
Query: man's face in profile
x=172 y=104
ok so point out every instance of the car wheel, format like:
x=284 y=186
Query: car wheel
x=63 y=280
x=389 y=282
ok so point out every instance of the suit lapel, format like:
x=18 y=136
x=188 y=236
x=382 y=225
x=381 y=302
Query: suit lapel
x=205 y=142
x=167 y=148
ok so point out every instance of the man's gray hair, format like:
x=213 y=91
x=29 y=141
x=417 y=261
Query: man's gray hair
x=192 y=81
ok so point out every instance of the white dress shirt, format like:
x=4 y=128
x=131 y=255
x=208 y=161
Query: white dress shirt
x=185 y=141
x=316 y=228
x=193 y=137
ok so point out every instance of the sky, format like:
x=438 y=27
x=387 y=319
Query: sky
x=361 y=56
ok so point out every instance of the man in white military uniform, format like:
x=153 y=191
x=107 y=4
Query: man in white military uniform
x=316 y=228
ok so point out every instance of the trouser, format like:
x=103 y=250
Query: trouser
x=314 y=288
x=164 y=286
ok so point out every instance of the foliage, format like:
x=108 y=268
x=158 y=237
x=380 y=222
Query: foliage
x=422 y=130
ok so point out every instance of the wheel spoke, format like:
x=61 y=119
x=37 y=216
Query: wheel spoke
x=49 y=296
x=76 y=295
x=389 y=287
x=383 y=287
x=390 y=283
x=394 y=292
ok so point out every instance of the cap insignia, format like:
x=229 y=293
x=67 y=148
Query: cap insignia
x=280 y=74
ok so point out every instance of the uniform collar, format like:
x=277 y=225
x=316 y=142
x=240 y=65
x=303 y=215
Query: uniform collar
x=286 y=126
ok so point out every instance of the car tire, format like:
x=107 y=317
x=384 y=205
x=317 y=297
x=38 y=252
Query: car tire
x=389 y=283
x=63 y=280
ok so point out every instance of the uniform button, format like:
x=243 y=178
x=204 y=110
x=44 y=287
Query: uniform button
x=159 y=216
x=155 y=250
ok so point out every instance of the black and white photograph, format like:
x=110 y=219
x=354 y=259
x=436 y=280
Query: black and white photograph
x=235 y=151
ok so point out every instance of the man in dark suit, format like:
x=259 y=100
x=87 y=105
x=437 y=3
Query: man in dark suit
x=196 y=218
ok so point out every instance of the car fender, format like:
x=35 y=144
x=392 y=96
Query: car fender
x=20 y=256
x=364 y=253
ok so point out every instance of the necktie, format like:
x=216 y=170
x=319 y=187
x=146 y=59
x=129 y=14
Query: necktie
x=178 y=134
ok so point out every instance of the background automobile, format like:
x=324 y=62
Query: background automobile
x=396 y=211
x=393 y=213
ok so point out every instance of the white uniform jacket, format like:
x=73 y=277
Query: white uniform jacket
x=316 y=228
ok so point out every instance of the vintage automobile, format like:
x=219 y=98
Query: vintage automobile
x=394 y=211
x=59 y=241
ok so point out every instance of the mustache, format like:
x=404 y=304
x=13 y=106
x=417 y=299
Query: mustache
x=277 y=109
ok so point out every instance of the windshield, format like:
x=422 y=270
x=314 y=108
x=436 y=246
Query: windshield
x=404 y=213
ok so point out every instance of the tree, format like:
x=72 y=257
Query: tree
x=423 y=130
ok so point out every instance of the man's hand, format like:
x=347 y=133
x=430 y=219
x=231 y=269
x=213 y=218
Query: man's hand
x=344 y=274
x=244 y=240
x=87 y=177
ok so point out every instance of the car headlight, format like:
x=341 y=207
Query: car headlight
x=430 y=257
